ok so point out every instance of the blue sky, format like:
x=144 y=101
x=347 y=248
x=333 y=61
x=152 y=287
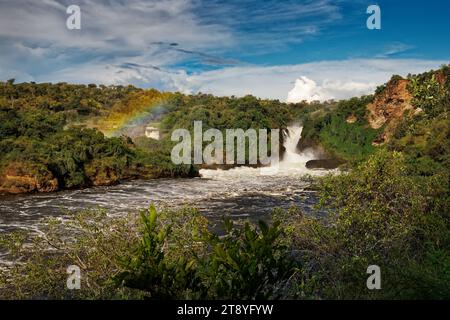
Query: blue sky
x=287 y=50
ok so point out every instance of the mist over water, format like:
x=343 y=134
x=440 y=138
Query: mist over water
x=242 y=192
x=292 y=164
x=293 y=160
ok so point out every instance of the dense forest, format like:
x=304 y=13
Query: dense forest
x=390 y=206
x=44 y=145
x=57 y=136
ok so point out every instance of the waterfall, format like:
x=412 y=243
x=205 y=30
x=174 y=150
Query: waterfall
x=292 y=158
x=290 y=144
x=292 y=163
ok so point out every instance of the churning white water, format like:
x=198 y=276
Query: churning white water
x=292 y=163
x=292 y=139
x=293 y=159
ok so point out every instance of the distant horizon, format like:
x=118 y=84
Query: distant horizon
x=330 y=99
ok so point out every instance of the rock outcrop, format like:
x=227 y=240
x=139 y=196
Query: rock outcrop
x=25 y=177
x=327 y=164
x=389 y=107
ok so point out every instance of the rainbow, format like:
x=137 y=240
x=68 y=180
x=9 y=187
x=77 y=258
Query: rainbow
x=132 y=116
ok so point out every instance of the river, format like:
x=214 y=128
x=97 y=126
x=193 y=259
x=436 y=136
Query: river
x=241 y=192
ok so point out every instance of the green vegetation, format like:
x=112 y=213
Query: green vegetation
x=76 y=157
x=49 y=138
x=388 y=216
x=343 y=130
x=329 y=128
x=243 y=264
x=166 y=254
x=41 y=269
x=424 y=139
x=226 y=113
x=431 y=91
x=391 y=210
x=39 y=141
x=381 y=216
x=75 y=101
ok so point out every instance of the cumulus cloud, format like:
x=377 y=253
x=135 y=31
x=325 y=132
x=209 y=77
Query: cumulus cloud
x=306 y=89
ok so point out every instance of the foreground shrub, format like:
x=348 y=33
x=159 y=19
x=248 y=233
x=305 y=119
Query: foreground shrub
x=41 y=261
x=245 y=263
x=169 y=254
x=91 y=240
x=383 y=216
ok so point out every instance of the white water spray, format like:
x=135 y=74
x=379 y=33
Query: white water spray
x=292 y=163
x=292 y=158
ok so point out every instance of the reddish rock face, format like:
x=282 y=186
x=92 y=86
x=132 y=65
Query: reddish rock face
x=22 y=177
x=391 y=104
x=388 y=108
x=441 y=78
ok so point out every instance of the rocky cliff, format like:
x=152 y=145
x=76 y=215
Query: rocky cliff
x=25 y=177
x=396 y=101
x=389 y=107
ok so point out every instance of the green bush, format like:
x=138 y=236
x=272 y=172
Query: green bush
x=158 y=255
x=388 y=217
x=152 y=269
x=41 y=260
x=429 y=94
x=350 y=141
x=245 y=263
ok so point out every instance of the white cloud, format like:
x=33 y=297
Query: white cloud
x=33 y=33
x=311 y=81
x=115 y=74
x=36 y=44
x=394 y=49
x=104 y=24
x=306 y=89
x=34 y=38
